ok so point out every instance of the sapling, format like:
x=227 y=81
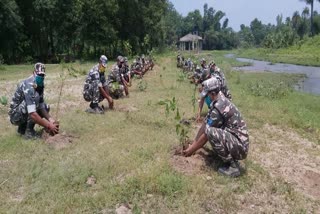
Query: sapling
x=193 y=98
x=4 y=100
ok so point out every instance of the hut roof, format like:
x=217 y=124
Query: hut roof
x=190 y=37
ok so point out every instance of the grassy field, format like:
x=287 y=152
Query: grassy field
x=304 y=53
x=129 y=151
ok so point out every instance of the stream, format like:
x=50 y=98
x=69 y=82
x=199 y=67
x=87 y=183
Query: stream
x=310 y=84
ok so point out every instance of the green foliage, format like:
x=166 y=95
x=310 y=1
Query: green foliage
x=170 y=105
x=142 y=85
x=305 y=52
x=194 y=98
x=268 y=89
x=182 y=130
x=4 y=100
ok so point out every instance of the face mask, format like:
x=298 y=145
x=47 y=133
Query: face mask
x=102 y=69
x=39 y=80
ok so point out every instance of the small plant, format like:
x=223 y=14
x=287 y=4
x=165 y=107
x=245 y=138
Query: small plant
x=194 y=99
x=142 y=85
x=182 y=130
x=170 y=105
x=4 y=100
x=62 y=78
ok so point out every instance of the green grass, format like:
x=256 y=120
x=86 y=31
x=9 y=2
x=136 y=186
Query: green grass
x=129 y=152
x=304 y=53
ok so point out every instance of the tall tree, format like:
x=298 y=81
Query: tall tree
x=10 y=29
x=311 y=3
x=258 y=31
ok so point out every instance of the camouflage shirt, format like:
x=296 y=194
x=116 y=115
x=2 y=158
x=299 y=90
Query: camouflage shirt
x=115 y=74
x=217 y=71
x=95 y=76
x=225 y=115
x=26 y=92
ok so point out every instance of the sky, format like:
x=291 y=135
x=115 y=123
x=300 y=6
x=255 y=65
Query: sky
x=244 y=11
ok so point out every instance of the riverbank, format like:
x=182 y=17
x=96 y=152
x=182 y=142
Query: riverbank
x=307 y=52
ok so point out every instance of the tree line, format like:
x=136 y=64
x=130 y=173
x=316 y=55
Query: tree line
x=54 y=30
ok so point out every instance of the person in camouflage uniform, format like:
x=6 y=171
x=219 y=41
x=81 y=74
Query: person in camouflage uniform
x=190 y=65
x=136 y=69
x=216 y=71
x=96 y=88
x=224 y=128
x=27 y=107
x=116 y=81
x=206 y=99
x=203 y=63
x=126 y=72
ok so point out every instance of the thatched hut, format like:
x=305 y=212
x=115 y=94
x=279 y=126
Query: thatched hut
x=191 y=42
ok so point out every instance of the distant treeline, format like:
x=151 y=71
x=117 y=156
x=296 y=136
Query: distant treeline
x=52 y=30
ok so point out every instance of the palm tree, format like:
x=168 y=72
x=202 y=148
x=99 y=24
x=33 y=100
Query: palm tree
x=311 y=2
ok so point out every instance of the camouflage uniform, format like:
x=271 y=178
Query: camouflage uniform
x=114 y=82
x=125 y=71
x=26 y=100
x=136 y=69
x=220 y=75
x=226 y=130
x=94 y=80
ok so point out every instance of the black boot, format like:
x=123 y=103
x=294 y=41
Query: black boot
x=232 y=169
x=95 y=109
x=22 y=129
x=30 y=132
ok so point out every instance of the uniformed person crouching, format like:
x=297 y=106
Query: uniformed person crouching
x=224 y=128
x=96 y=87
x=28 y=108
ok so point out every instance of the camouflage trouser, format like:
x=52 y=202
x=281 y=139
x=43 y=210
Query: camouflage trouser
x=19 y=115
x=116 y=90
x=226 y=145
x=91 y=93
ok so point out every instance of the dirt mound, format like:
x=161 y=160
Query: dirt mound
x=287 y=155
x=124 y=209
x=195 y=164
x=58 y=141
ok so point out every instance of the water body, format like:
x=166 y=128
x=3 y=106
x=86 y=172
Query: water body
x=311 y=84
